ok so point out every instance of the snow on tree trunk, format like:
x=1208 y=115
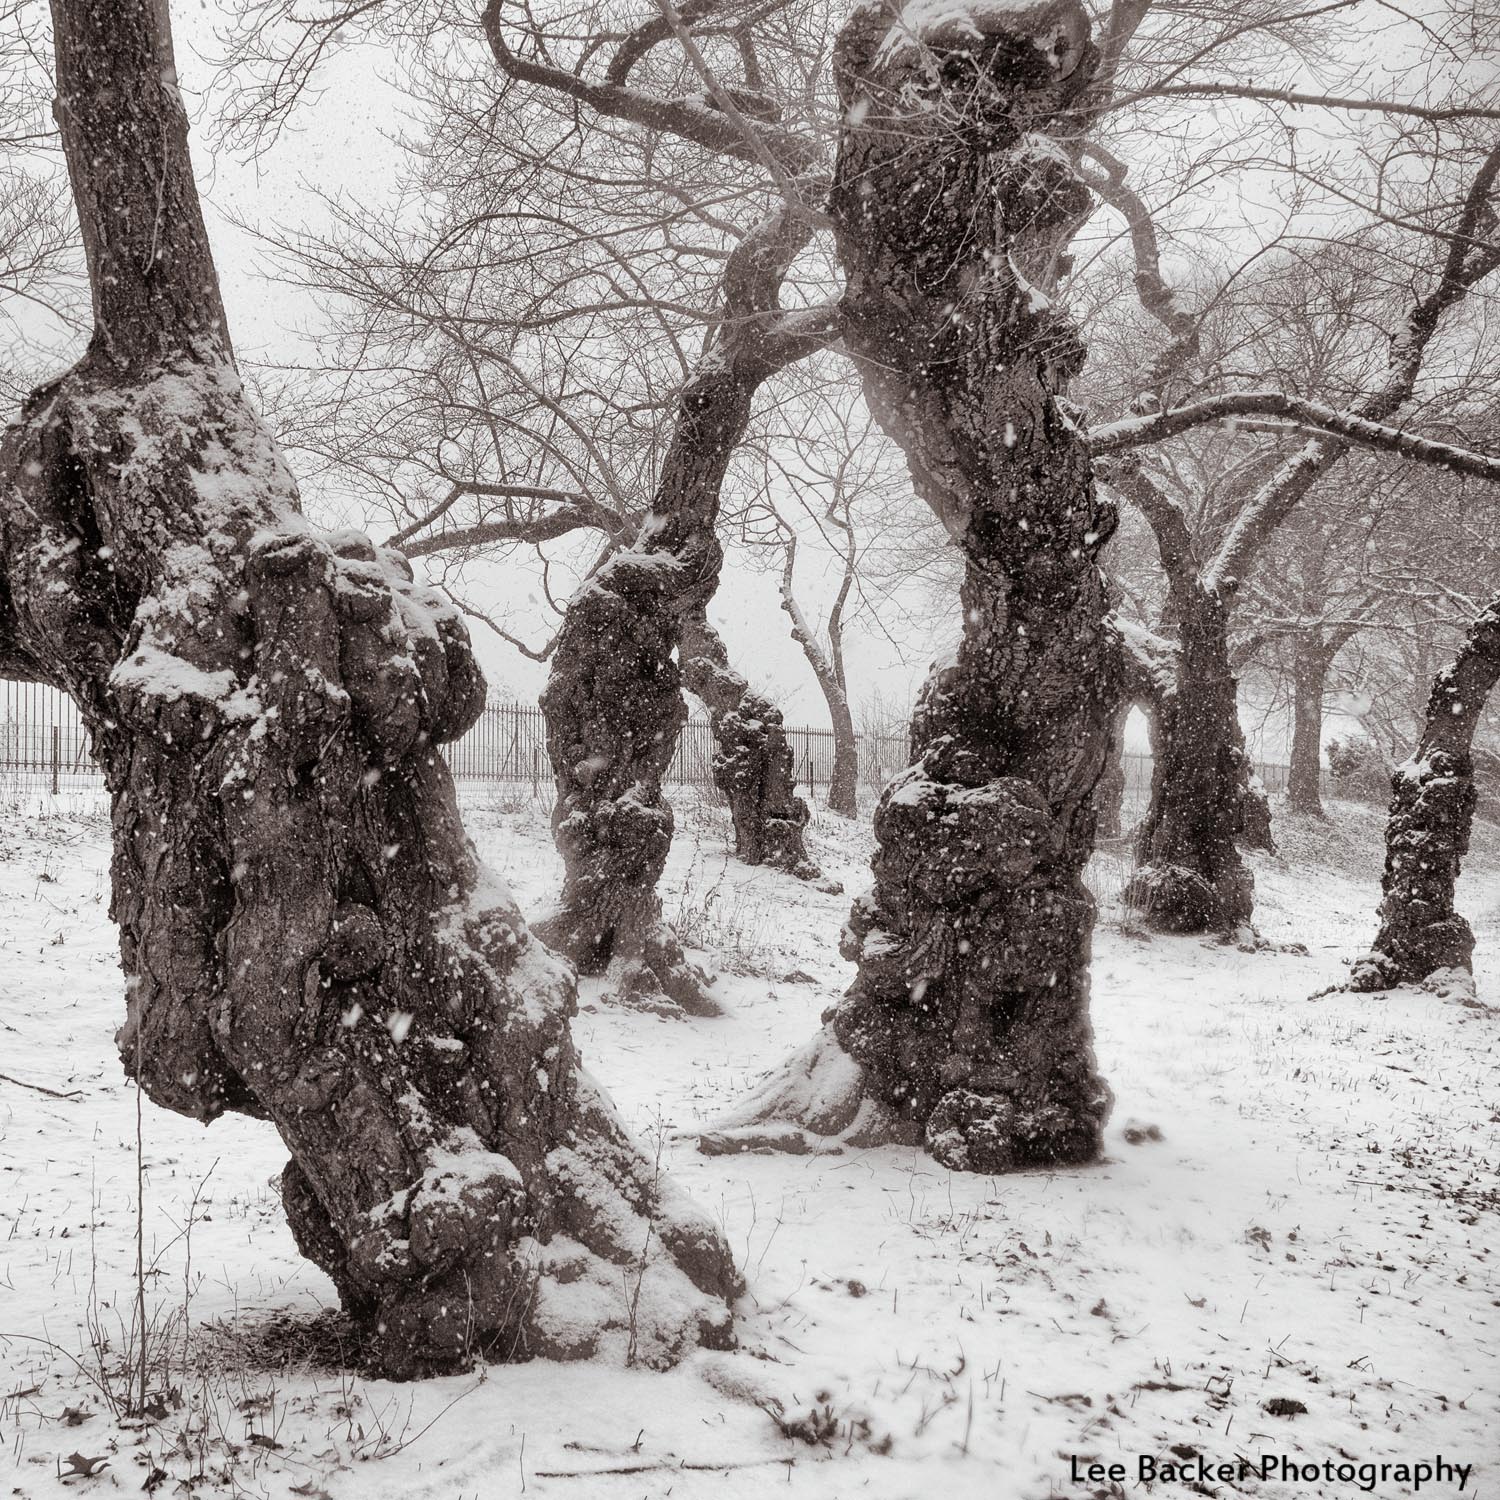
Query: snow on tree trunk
x=1310 y=664
x=968 y=1018
x=613 y=701
x=1427 y=836
x=1191 y=876
x=753 y=764
x=307 y=936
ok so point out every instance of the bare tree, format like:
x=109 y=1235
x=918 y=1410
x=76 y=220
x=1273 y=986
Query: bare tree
x=1210 y=537
x=306 y=933
x=753 y=764
x=42 y=292
x=613 y=701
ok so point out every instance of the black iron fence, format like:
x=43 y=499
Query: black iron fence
x=509 y=743
x=43 y=740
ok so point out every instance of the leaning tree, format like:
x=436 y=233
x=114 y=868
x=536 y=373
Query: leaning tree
x=1432 y=811
x=307 y=935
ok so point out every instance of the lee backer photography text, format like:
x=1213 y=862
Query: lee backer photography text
x=1281 y=1468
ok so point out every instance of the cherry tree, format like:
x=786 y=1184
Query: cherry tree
x=307 y=936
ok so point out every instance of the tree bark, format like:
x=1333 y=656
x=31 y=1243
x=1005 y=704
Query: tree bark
x=843 y=775
x=1427 y=835
x=1310 y=664
x=1110 y=797
x=967 y=1021
x=307 y=936
x=1191 y=876
x=753 y=764
x=613 y=701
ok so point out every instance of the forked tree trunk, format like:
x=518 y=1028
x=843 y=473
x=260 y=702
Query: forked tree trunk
x=1310 y=664
x=1432 y=813
x=1191 y=876
x=753 y=765
x=967 y=1022
x=307 y=936
x=613 y=701
x=828 y=670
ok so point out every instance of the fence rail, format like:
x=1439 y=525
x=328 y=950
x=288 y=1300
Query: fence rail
x=43 y=738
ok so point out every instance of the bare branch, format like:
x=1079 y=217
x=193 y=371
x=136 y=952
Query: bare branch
x=748 y=140
x=1209 y=90
x=1136 y=432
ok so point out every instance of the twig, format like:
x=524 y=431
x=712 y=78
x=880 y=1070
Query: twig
x=51 y=1093
x=753 y=1463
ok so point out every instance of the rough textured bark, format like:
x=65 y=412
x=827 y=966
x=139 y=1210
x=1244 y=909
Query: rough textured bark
x=753 y=764
x=307 y=936
x=968 y=1018
x=1204 y=797
x=1310 y=664
x=1191 y=876
x=1427 y=836
x=1110 y=798
x=613 y=701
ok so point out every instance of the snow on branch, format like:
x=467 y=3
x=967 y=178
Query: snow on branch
x=529 y=529
x=1136 y=432
x=1174 y=538
x=1148 y=662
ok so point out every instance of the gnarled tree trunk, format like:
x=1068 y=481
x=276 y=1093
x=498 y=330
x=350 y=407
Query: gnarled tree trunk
x=1191 y=876
x=753 y=765
x=613 y=701
x=306 y=933
x=1432 y=812
x=968 y=1019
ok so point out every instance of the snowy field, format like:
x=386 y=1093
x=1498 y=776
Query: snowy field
x=1289 y=1252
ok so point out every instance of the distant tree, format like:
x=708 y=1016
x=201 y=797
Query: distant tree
x=826 y=465
x=1312 y=321
x=43 y=296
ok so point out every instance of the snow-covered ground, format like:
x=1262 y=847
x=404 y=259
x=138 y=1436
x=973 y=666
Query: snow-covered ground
x=1297 y=1215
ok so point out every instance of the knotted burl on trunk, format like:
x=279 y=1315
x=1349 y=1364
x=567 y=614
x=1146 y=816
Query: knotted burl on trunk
x=1423 y=939
x=307 y=935
x=967 y=1023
